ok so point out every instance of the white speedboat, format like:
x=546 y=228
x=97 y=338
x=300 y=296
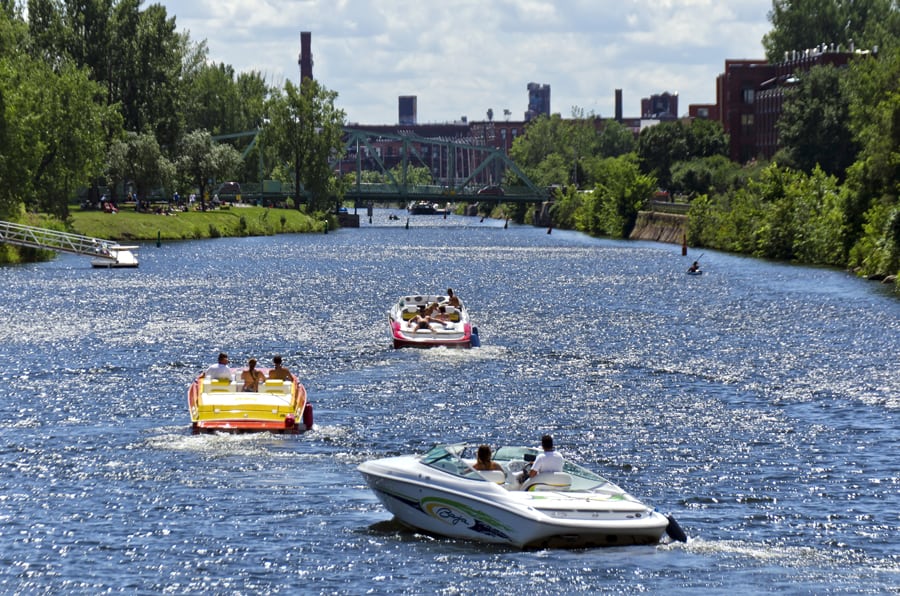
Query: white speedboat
x=114 y=256
x=450 y=328
x=441 y=493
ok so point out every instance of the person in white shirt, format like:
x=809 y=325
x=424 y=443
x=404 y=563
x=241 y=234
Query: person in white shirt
x=220 y=370
x=548 y=461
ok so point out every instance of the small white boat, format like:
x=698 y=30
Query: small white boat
x=115 y=256
x=441 y=493
x=454 y=331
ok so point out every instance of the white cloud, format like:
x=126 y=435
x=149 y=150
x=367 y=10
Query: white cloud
x=463 y=57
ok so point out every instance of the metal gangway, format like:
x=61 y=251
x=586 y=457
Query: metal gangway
x=104 y=252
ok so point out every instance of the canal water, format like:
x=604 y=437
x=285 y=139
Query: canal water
x=759 y=403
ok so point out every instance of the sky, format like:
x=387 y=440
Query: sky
x=463 y=57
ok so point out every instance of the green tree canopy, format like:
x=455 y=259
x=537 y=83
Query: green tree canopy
x=615 y=140
x=814 y=128
x=660 y=146
x=52 y=124
x=802 y=24
x=304 y=128
x=200 y=160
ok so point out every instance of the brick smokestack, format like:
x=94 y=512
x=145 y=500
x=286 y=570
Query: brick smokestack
x=305 y=60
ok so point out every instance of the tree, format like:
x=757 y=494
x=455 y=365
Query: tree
x=621 y=192
x=703 y=175
x=801 y=24
x=305 y=130
x=581 y=139
x=54 y=123
x=138 y=159
x=543 y=136
x=615 y=140
x=814 y=125
x=145 y=69
x=200 y=160
x=552 y=149
x=872 y=209
x=659 y=147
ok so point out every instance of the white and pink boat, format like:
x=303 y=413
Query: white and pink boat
x=448 y=326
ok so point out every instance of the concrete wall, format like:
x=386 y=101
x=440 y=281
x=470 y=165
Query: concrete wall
x=660 y=227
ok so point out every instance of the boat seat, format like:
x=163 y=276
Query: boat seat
x=275 y=386
x=409 y=312
x=548 y=481
x=219 y=385
x=452 y=313
x=496 y=476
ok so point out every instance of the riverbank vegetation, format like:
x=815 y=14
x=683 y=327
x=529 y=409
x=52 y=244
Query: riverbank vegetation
x=106 y=102
x=193 y=225
x=121 y=103
x=830 y=194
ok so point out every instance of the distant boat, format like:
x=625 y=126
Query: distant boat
x=115 y=256
x=423 y=208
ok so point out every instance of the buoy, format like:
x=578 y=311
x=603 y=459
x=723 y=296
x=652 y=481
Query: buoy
x=674 y=530
x=550 y=229
x=684 y=245
x=476 y=341
x=158 y=238
x=407 y=223
x=308 y=416
x=326 y=226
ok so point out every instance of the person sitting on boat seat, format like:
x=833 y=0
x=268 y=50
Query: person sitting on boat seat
x=483 y=461
x=251 y=377
x=452 y=299
x=441 y=317
x=221 y=370
x=280 y=372
x=694 y=268
x=548 y=461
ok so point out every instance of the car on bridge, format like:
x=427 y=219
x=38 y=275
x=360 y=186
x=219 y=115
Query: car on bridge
x=492 y=190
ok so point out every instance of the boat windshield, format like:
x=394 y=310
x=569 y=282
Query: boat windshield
x=449 y=459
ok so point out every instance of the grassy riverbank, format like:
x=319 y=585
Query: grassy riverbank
x=234 y=221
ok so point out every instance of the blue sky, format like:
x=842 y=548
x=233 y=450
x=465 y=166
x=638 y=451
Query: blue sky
x=462 y=57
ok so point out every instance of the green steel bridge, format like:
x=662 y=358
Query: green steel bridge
x=466 y=172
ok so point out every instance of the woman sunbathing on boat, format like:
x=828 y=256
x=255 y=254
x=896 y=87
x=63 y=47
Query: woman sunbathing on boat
x=420 y=321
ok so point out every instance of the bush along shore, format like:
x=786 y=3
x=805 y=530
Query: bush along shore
x=129 y=226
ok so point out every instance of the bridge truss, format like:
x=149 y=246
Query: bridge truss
x=459 y=169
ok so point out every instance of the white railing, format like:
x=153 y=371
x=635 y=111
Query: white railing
x=33 y=237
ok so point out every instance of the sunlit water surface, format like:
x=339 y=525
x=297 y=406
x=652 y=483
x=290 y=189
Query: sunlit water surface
x=758 y=403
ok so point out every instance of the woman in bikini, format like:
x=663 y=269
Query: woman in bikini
x=251 y=377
